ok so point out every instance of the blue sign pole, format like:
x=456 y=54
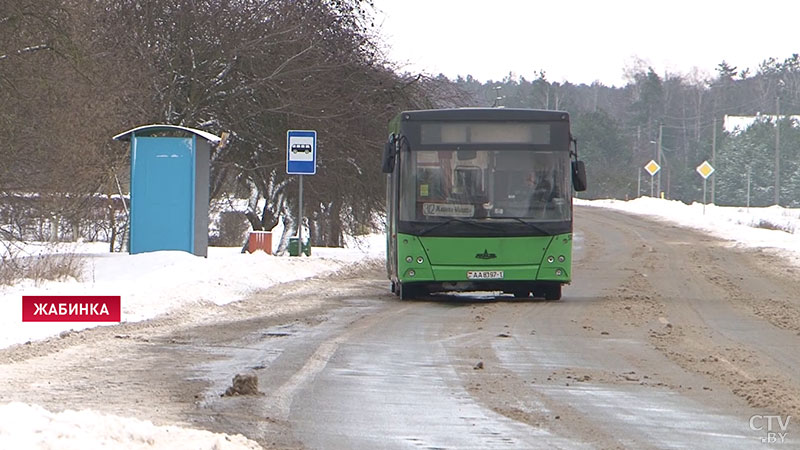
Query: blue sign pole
x=301 y=159
x=300 y=225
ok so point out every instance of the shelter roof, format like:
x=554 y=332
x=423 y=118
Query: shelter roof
x=155 y=128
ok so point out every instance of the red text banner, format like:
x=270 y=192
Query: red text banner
x=71 y=308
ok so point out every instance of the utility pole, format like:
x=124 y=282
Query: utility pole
x=713 y=159
x=639 y=184
x=777 y=149
x=660 y=137
x=748 y=188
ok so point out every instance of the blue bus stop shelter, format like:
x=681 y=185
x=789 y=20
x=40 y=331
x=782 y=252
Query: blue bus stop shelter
x=169 y=188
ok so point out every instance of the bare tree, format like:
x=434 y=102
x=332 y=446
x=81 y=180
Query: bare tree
x=250 y=69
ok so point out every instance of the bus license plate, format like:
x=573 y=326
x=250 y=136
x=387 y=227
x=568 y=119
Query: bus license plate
x=484 y=274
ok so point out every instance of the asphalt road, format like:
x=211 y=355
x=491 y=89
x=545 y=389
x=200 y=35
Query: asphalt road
x=667 y=338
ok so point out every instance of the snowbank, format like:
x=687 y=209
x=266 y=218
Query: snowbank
x=31 y=427
x=151 y=284
x=770 y=227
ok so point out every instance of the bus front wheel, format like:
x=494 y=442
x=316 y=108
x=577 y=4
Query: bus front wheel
x=407 y=292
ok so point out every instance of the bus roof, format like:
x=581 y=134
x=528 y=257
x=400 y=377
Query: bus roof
x=467 y=114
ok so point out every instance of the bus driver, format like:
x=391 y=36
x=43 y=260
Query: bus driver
x=540 y=191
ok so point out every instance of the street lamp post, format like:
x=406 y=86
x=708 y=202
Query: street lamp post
x=656 y=158
x=660 y=136
x=658 y=155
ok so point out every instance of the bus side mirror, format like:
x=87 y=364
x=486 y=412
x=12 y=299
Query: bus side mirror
x=388 y=157
x=578 y=176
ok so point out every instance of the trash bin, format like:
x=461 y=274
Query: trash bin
x=294 y=249
x=260 y=240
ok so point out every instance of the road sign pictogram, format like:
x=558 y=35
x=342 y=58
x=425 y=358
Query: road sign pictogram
x=705 y=170
x=652 y=167
x=301 y=152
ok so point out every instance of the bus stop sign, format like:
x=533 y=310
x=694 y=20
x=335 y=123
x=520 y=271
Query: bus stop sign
x=301 y=152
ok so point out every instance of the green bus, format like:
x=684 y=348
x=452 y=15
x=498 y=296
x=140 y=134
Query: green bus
x=480 y=199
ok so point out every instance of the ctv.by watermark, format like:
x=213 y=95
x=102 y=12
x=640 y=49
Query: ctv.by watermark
x=775 y=428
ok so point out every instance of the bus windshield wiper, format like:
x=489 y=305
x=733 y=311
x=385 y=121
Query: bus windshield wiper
x=530 y=225
x=451 y=220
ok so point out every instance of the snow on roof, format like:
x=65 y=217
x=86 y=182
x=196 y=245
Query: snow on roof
x=125 y=136
x=737 y=124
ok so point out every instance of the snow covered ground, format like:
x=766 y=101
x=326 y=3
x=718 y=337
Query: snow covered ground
x=149 y=284
x=154 y=283
x=31 y=427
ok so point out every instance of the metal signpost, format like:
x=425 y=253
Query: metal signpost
x=301 y=159
x=652 y=168
x=705 y=170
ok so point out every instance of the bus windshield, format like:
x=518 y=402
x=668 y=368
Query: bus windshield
x=487 y=184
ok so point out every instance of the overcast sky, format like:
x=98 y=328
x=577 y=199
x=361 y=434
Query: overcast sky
x=582 y=41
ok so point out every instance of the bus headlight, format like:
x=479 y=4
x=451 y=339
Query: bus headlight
x=550 y=259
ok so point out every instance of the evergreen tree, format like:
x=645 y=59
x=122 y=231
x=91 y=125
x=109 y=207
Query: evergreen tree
x=607 y=156
x=747 y=152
